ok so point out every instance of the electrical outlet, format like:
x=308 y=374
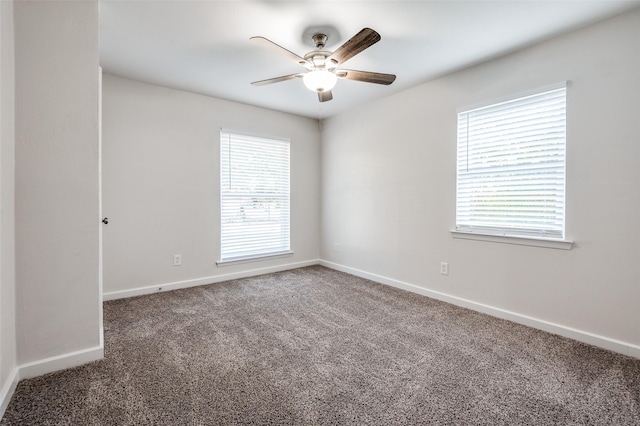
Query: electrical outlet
x=336 y=247
x=177 y=260
x=444 y=268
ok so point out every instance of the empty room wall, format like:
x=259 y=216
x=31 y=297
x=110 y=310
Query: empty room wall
x=161 y=182
x=7 y=247
x=389 y=180
x=56 y=176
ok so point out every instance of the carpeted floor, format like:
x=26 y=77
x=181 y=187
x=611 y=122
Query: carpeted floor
x=316 y=346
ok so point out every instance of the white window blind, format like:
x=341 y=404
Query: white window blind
x=511 y=167
x=254 y=196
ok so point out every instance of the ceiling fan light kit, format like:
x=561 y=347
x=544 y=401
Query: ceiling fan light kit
x=323 y=66
x=320 y=80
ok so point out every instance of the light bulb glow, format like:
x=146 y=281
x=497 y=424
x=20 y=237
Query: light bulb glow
x=320 y=80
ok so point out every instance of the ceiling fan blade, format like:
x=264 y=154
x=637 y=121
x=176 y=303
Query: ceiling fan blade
x=356 y=44
x=277 y=79
x=276 y=47
x=366 y=76
x=325 y=96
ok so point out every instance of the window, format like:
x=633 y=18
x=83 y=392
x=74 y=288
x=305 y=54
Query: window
x=511 y=167
x=254 y=196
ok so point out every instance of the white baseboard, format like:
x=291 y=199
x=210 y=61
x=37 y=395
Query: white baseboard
x=7 y=390
x=614 y=345
x=44 y=366
x=60 y=362
x=206 y=280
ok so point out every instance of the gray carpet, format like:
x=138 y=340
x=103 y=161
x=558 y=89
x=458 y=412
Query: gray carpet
x=316 y=346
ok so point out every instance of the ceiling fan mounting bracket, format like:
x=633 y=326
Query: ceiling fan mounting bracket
x=320 y=40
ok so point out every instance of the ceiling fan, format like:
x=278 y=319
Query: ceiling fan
x=323 y=66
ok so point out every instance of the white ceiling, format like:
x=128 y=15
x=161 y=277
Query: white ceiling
x=204 y=47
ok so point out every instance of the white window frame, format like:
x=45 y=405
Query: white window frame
x=255 y=197
x=482 y=175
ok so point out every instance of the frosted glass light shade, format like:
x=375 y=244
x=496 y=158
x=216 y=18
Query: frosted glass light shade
x=320 y=80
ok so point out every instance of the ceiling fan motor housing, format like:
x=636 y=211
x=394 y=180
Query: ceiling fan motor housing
x=318 y=58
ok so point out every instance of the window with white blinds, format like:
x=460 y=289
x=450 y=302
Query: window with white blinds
x=254 y=196
x=511 y=167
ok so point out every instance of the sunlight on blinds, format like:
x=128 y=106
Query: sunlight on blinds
x=254 y=196
x=511 y=167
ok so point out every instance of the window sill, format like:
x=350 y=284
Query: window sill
x=253 y=258
x=523 y=241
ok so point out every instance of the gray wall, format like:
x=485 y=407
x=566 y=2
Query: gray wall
x=161 y=188
x=7 y=246
x=388 y=189
x=56 y=175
